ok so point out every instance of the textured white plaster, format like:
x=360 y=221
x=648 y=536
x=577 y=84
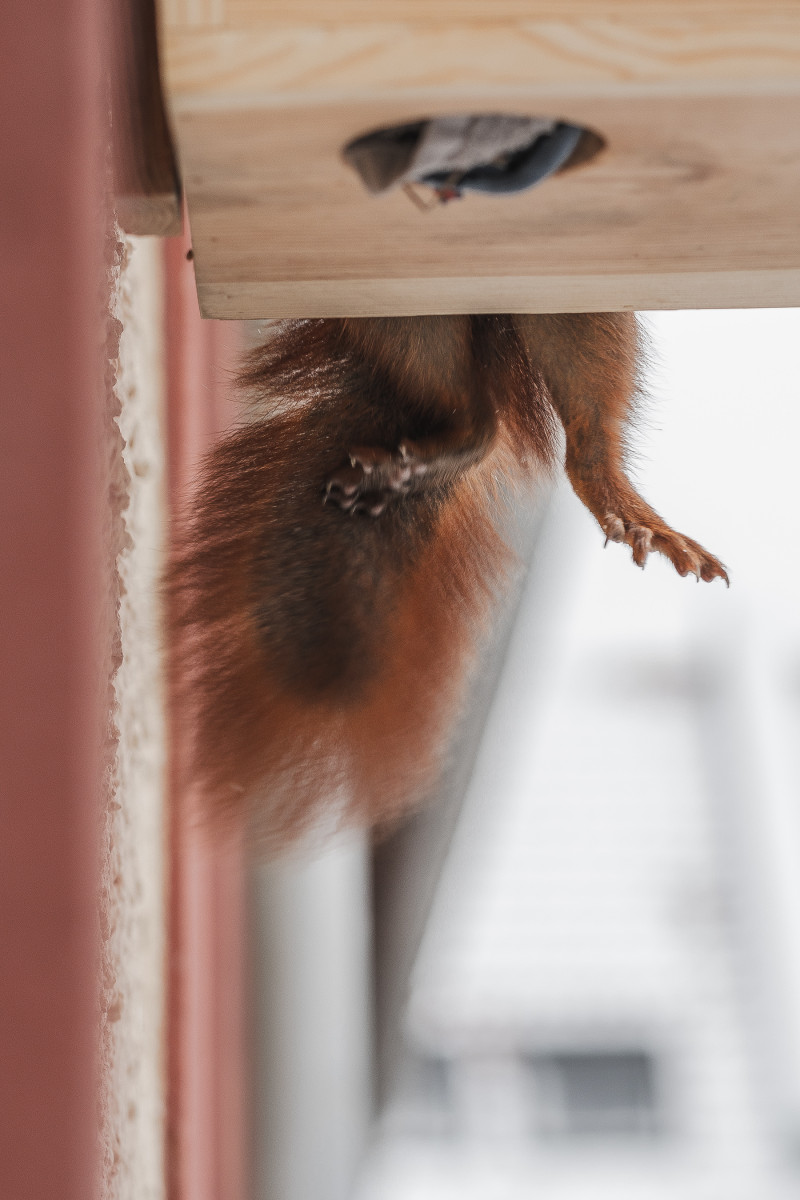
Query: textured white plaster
x=133 y=910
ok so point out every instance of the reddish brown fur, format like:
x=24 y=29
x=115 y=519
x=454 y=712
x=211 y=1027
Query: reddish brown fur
x=321 y=655
x=590 y=364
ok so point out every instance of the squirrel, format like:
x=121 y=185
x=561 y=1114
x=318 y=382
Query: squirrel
x=344 y=551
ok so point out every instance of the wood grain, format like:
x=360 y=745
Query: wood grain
x=146 y=186
x=555 y=293
x=344 y=60
x=702 y=187
x=196 y=13
x=692 y=204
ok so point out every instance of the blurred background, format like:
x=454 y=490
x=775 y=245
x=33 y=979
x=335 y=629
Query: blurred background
x=575 y=972
x=578 y=973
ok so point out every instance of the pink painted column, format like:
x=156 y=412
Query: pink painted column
x=53 y=621
x=207 y=1121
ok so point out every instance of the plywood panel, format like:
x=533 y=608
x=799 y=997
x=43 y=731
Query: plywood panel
x=692 y=204
x=230 y=48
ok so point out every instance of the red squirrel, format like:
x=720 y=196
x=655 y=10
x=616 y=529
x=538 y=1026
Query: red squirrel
x=343 y=556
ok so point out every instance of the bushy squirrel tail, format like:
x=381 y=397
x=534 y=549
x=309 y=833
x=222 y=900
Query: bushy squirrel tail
x=321 y=657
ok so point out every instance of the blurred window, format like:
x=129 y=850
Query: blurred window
x=590 y=1094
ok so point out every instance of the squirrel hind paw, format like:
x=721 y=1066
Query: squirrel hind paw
x=687 y=557
x=368 y=481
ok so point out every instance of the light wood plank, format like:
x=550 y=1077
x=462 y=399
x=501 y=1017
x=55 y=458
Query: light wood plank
x=693 y=203
x=147 y=190
x=196 y=13
x=346 y=60
x=556 y=293
x=704 y=187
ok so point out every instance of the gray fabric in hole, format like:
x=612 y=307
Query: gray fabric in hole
x=493 y=153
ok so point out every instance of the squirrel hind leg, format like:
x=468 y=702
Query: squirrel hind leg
x=374 y=476
x=370 y=480
x=632 y=521
x=591 y=364
x=597 y=476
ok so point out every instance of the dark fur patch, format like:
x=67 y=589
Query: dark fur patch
x=320 y=658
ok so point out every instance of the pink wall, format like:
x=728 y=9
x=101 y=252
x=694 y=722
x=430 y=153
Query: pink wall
x=54 y=637
x=52 y=691
x=207 y=1152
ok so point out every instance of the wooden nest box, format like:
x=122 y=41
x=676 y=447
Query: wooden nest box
x=693 y=203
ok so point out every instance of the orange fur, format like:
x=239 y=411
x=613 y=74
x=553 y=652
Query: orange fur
x=322 y=650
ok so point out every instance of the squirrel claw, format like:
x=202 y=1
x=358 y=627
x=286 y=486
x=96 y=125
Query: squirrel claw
x=614 y=528
x=373 y=477
x=687 y=557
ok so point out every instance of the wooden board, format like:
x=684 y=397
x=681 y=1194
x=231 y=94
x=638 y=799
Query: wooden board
x=147 y=190
x=693 y=204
